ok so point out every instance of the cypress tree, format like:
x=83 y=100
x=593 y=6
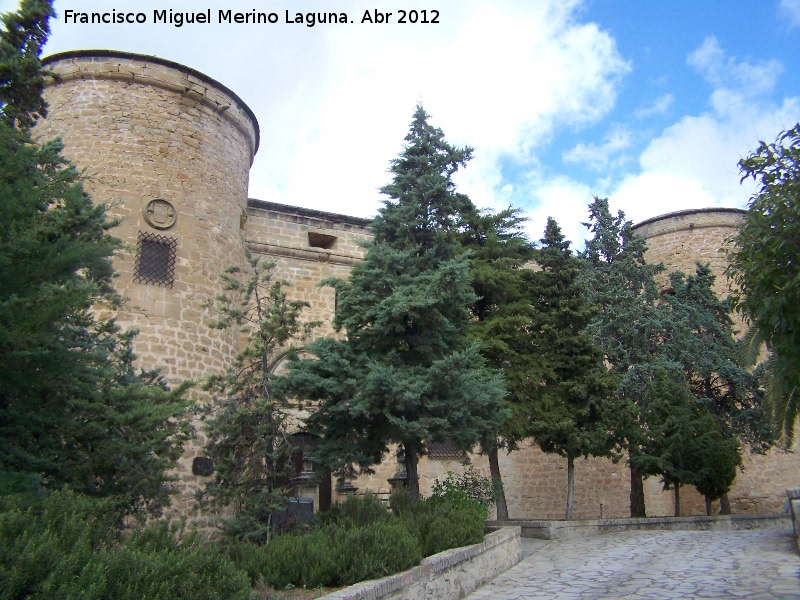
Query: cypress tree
x=501 y=322
x=573 y=405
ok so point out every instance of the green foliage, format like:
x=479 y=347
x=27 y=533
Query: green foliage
x=441 y=522
x=467 y=489
x=501 y=321
x=621 y=285
x=765 y=270
x=69 y=546
x=688 y=336
x=73 y=409
x=334 y=555
x=22 y=78
x=685 y=444
x=246 y=425
x=574 y=392
x=699 y=338
x=359 y=540
x=406 y=373
x=356 y=511
x=572 y=410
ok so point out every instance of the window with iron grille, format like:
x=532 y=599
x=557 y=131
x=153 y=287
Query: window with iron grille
x=155 y=259
x=445 y=450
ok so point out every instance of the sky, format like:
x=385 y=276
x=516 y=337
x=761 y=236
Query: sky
x=649 y=103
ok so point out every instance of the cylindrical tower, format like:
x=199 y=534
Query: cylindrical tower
x=678 y=240
x=170 y=150
x=682 y=238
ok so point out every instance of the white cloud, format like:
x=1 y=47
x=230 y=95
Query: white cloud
x=334 y=102
x=693 y=163
x=725 y=72
x=599 y=156
x=790 y=9
x=562 y=198
x=660 y=106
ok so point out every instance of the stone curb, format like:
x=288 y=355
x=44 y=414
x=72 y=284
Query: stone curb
x=552 y=530
x=448 y=575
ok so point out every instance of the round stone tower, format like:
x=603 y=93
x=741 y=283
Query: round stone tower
x=169 y=149
x=682 y=238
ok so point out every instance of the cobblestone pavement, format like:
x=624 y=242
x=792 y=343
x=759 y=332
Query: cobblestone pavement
x=760 y=564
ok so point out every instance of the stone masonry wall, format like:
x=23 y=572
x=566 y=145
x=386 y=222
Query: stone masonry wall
x=147 y=129
x=285 y=235
x=679 y=240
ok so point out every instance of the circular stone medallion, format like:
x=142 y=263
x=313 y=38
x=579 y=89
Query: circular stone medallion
x=160 y=214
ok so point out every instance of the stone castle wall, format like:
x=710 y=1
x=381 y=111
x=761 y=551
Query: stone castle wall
x=307 y=247
x=679 y=240
x=147 y=129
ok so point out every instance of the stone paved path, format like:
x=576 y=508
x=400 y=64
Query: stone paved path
x=759 y=564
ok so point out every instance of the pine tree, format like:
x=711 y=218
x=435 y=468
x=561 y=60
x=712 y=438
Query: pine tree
x=22 y=78
x=406 y=373
x=573 y=407
x=73 y=409
x=248 y=437
x=501 y=322
x=627 y=326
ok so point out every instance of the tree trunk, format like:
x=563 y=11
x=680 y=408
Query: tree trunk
x=412 y=458
x=676 y=486
x=708 y=506
x=724 y=505
x=570 y=486
x=637 y=494
x=497 y=485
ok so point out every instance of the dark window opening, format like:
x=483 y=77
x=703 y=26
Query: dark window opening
x=321 y=240
x=155 y=259
x=444 y=450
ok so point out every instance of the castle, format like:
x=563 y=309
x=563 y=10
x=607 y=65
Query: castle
x=171 y=149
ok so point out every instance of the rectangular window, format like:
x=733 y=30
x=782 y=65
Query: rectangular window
x=445 y=450
x=155 y=259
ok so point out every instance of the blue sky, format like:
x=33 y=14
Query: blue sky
x=650 y=103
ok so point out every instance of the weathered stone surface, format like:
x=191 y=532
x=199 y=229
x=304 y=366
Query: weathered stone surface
x=144 y=128
x=448 y=575
x=758 y=564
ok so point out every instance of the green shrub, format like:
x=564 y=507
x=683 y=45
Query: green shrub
x=334 y=555
x=357 y=511
x=468 y=489
x=45 y=541
x=68 y=546
x=439 y=525
x=401 y=501
x=158 y=565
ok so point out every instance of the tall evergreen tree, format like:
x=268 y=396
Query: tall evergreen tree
x=248 y=437
x=406 y=373
x=699 y=335
x=502 y=322
x=699 y=341
x=627 y=327
x=574 y=397
x=72 y=407
x=22 y=78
